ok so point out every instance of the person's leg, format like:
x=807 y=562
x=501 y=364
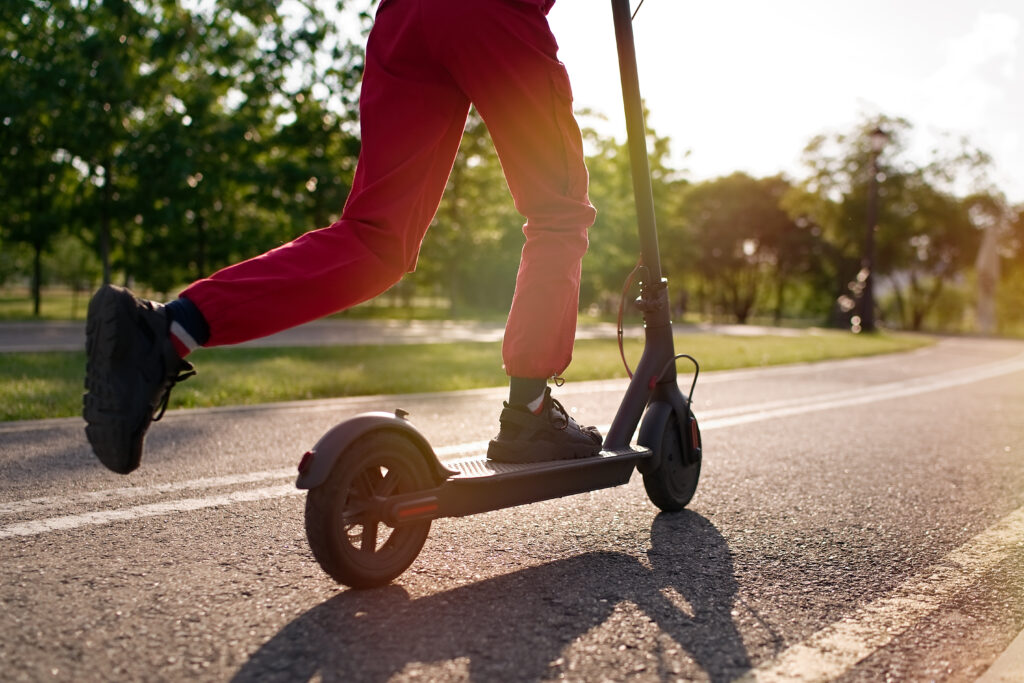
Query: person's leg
x=502 y=54
x=411 y=120
x=412 y=117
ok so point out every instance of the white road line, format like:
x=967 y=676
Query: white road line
x=837 y=648
x=40 y=526
x=880 y=392
x=43 y=503
x=757 y=414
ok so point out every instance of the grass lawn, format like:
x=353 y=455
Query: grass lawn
x=56 y=304
x=44 y=385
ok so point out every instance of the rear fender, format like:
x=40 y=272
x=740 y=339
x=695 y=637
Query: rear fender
x=317 y=463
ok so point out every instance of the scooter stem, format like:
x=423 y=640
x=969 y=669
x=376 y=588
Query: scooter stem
x=636 y=134
x=655 y=376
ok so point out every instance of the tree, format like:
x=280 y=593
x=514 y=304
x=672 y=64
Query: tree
x=935 y=231
x=74 y=264
x=471 y=252
x=35 y=177
x=14 y=257
x=925 y=236
x=929 y=240
x=791 y=246
x=1010 y=295
x=834 y=197
x=140 y=124
x=614 y=248
x=746 y=241
x=244 y=154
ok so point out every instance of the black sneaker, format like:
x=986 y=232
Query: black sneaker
x=130 y=368
x=552 y=435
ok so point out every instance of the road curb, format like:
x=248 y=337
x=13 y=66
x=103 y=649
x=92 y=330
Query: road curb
x=1009 y=666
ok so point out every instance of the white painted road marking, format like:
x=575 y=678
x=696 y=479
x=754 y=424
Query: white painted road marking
x=756 y=413
x=40 y=526
x=880 y=392
x=837 y=648
x=43 y=503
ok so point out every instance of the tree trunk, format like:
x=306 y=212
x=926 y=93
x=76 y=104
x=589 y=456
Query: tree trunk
x=454 y=223
x=200 y=245
x=901 y=307
x=37 y=278
x=839 y=317
x=987 y=265
x=780 y=293
x=916 y=306
x=928 y=299
x=105 y=222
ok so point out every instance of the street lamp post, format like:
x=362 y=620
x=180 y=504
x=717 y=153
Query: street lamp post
x=878 y=139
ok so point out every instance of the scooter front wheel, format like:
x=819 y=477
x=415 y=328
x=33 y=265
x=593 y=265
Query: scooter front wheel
x=672 y=484
x=345 y=523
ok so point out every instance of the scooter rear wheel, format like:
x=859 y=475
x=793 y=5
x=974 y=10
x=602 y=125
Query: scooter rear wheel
x=672 y=484
x=344 y=516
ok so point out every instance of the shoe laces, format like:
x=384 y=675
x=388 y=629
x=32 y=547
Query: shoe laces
x=560 y=418
x=184 y=372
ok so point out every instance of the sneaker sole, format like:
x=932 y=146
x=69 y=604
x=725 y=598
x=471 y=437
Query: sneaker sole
x=105 y=430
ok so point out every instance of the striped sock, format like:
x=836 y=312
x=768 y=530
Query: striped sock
x=537 y=404
x=188 y=329
x=183 y=342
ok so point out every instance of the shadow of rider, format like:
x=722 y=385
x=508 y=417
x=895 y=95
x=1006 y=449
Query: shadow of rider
x=518 y=626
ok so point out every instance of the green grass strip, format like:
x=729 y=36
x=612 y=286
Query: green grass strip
x=44 y=385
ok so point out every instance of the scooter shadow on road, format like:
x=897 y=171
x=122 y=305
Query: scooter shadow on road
x=516 y=626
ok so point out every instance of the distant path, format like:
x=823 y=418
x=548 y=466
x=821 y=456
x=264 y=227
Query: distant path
x=70 y=336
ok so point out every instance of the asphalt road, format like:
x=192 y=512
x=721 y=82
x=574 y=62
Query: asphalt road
x=859 y=520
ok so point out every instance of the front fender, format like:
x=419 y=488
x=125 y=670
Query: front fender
x=318 y=462
x=651 y=430
x=656 y=421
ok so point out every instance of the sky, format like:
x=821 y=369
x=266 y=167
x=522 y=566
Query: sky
x=743 y=85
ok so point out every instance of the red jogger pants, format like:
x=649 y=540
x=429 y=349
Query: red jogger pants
x=426 y=61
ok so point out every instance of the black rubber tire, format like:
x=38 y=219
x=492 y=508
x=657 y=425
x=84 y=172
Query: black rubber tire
x=671 y=486
x=380 y=463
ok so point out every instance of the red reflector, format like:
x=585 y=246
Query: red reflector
x=418 y=510
x=307 y=459
x=694 y=433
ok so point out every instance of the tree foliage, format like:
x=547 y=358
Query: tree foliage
x=175 y=137
x=172 y=138
x=926 y=236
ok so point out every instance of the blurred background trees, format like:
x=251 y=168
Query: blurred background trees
x=153 y=142
x=173 y=138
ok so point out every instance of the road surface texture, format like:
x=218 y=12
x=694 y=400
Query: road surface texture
x=859 y=520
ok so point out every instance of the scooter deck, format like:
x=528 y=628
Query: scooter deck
x=476 y=466
x=481 y=485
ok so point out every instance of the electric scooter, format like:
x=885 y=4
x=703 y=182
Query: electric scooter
x=375 y=483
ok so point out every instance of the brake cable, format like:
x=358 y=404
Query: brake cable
x=622 y=306
x=619 y=332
